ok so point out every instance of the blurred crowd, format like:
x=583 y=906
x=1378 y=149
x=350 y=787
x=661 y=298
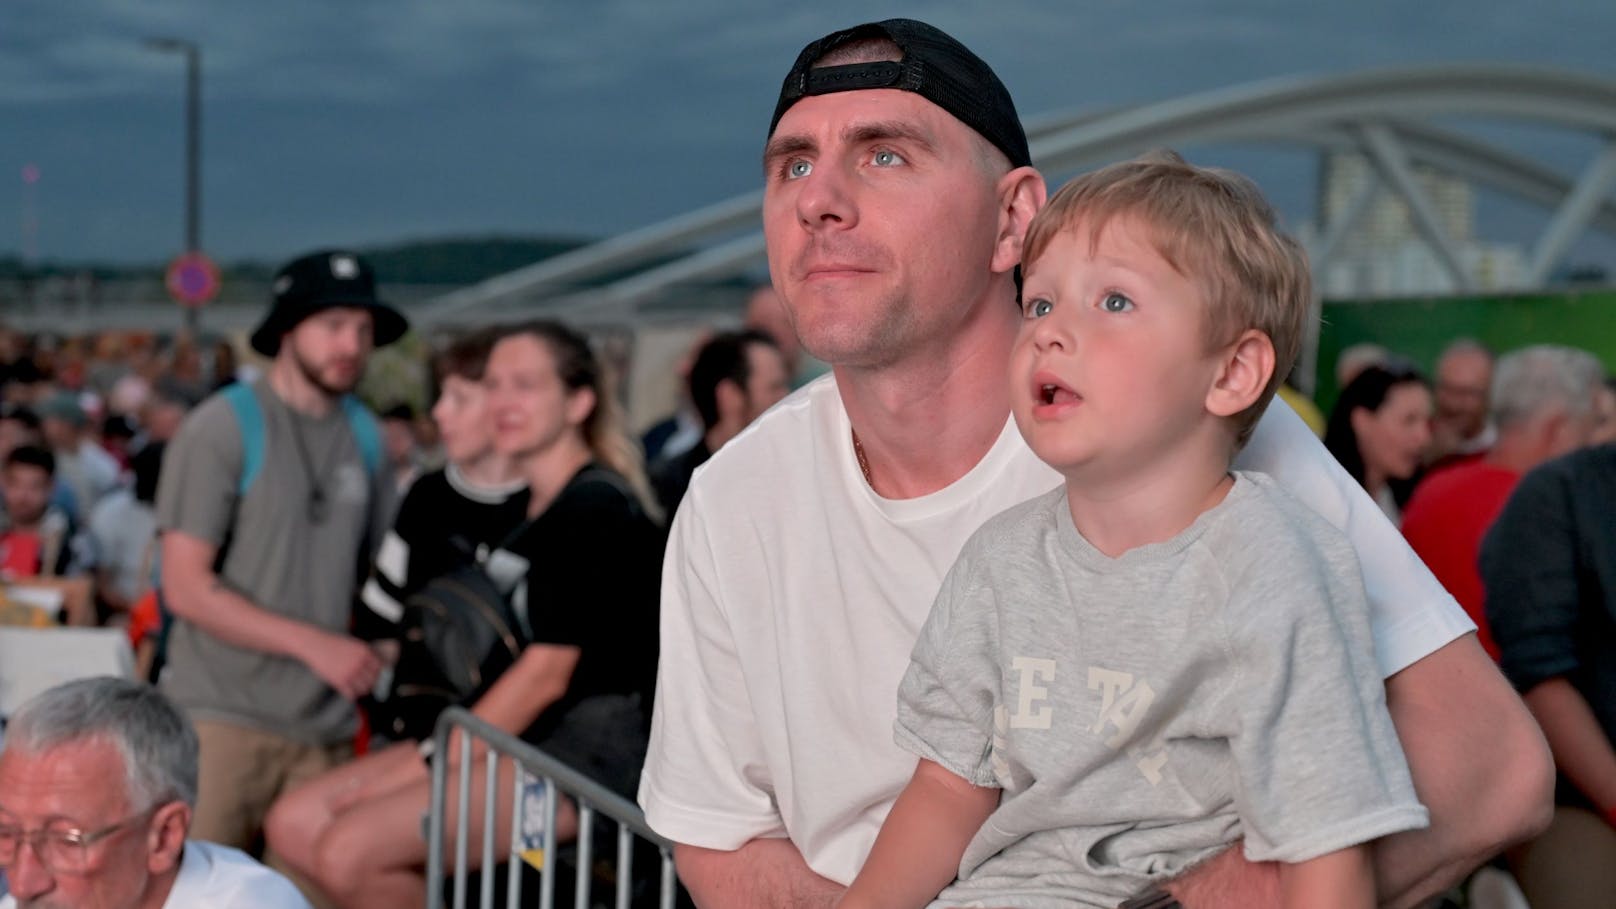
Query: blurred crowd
x=85 y=422
x=247 y=613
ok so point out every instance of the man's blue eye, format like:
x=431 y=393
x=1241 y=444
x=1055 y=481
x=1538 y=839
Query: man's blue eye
x=887 y=158
x=799 y=168
x=1039 y=308
x=1116 y=303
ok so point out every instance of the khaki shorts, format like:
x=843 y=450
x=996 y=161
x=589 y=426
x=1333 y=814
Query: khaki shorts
x=1573 y=864
x=243 y=770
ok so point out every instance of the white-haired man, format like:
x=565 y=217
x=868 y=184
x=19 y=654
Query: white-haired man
x=97 y=782
x=1543 y=407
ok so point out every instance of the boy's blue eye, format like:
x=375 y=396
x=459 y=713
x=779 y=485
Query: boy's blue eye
x=1115 y=302
x=1039 y=308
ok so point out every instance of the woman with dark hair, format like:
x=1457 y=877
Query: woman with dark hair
x=589 y=560
x=1379 y=428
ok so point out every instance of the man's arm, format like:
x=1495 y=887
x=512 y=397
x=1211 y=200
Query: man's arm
x=1464 y=732
x=705 y=745
x=192 y=591
x=1462 y=728
x=1480 y=765
x=765 y=873
x=1581 y=750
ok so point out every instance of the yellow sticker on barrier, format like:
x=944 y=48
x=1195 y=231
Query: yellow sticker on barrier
x=534 y=857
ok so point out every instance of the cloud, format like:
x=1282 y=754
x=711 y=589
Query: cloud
x=323 y=117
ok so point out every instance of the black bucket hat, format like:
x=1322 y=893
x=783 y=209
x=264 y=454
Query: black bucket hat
x=320 y=281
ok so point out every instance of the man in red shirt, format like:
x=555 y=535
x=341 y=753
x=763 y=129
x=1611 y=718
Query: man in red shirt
x=1542 y=404
x=33 y=536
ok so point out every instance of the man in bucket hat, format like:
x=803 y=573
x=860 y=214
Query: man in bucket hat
x=807 y=553
x=268 y=500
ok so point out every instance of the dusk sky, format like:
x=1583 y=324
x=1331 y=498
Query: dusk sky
x=364 y=123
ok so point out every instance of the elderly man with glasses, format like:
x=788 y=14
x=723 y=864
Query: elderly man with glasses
x=97 y=780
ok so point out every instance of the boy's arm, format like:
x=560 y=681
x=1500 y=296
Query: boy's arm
x=918 y=850
x=1344 y=879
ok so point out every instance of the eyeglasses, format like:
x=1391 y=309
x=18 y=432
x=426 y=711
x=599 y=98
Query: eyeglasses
x=60 y=846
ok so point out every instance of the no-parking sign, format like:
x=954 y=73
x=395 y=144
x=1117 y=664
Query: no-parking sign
x=192 y=279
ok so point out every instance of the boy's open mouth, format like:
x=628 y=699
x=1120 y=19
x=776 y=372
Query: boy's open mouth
x=1055 y=393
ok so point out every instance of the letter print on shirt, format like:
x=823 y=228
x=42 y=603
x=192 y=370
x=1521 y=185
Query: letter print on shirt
x=1032 y=710
x=1123 y=705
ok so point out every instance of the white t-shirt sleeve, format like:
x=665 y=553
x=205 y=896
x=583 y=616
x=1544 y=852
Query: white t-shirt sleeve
x=706 y=781
x=1410 y=613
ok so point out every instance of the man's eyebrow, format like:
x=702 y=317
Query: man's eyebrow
x=858 y=133
x=879 y=130
x=783 y=146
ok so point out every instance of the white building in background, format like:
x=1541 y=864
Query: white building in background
x=1385 y=255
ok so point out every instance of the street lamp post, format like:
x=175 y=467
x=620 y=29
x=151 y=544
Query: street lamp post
x=193 y=150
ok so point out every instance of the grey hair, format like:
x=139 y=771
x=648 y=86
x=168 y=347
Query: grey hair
x=1534 y=379
x=156 y=741
x=1355 y=358
x=1465 y=346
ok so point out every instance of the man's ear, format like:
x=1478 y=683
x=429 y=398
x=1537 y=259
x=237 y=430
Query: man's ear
x=730 y=398
x=165 y=837
x=1244 y=369
x=1021 y=193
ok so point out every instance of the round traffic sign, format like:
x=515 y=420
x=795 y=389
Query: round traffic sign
x=192 y=279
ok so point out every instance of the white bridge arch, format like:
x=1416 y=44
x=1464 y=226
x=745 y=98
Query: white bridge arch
x=1392 y=117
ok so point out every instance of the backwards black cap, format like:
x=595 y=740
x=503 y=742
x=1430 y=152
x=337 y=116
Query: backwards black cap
x=934 y=66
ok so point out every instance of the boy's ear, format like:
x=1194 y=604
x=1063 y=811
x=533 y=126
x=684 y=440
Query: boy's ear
x=1243 y=372
x=1021 y=193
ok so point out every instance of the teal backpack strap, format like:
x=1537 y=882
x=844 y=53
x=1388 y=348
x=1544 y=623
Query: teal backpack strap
x=250 y=418
x=366 y=433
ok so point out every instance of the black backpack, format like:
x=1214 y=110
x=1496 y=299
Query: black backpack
x=459 y=632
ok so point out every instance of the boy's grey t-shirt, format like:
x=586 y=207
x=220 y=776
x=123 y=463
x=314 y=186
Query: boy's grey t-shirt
x=1140 y=713
x=275 y=557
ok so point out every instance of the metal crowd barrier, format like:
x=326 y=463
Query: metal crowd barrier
x=591 y=798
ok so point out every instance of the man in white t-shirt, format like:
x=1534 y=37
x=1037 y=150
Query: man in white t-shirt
x=808 y=551
x=97 y=780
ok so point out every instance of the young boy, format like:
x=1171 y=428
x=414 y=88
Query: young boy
x=1126 y=675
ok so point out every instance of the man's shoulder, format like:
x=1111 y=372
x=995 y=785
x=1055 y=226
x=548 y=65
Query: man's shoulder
x=1594 y=461
x=1459 y=481
x=1570 y=477
x=214 y=421
x=1266 y=528
x=778 y=443
x=112 y=509
x=212 y=875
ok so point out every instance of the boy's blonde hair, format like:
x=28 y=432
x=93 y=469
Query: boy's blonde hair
x=1213 y=226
